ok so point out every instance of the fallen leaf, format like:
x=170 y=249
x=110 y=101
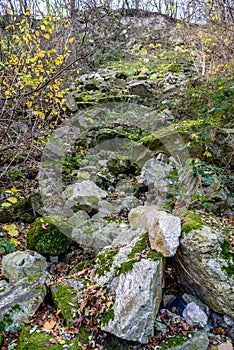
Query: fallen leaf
x=49 y=325
x=11 y=230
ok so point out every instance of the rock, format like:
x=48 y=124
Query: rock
x=137 y=285
x=194 y=315
x=93 y=236
x=20 y=300
x=71 y=103
x=203 y=263
x=164 y=229
x=199 y=341
x=191 y=298
x=84 y=195
x=140 y=88
x=45 y=238
x=155 y=172
x=21 y=264
x=225 y=346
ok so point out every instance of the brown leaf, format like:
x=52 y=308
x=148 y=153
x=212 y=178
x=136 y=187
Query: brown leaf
x=49 y=325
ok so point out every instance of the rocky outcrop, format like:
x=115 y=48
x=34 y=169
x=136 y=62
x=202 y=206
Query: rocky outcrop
x=164 y=229
x=204 y=263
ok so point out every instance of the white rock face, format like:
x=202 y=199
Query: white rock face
x=137 y=288
x=138 y=297
x=194 y=315
x=21 y=264
x=164 y=229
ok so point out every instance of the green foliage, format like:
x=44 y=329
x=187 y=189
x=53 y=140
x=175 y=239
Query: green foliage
x=6 y=246
x=109 y=315
x=191 y=221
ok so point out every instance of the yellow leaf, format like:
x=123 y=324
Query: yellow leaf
x=62 y=342
x=108 y=304
x=14 y=190
x=11 y=229
x=6 y=205
x=71 y=40
x=39 y=126
x=15 y=241
x=37 y=33
x=12 y=200
x=43 y=27
x=47 y=36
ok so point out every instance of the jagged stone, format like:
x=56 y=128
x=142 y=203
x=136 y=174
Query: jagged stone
x=164 y=229
x=204 y=265
x=20 y=300
x=199 y=341
x=194 y=315
x=21 y=264
x=84 y=194
x=137 y=285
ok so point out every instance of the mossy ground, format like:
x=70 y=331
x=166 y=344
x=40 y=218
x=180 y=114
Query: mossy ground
x=104 y=261
x=37 y=341
x=45 y=238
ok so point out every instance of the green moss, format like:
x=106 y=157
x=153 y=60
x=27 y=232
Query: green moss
x=104 y=261
x=7 y=322
x=36 y=341
x=65 y=299
x=83 y=335
x=109 y=315
x=190 y=221
x=174 y=341
x=33 y=277
x=141 y=246
x=228 y=255
x=82 y=265
x=1 y=339
x=45 y=238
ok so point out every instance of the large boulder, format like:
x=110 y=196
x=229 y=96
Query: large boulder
x=21 y=264
x=135 y=275
x=45 y=238
x=204 y=263
x=164 y=229
x=19 y=301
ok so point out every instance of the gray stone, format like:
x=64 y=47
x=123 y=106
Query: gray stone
x=20 y=264
x=140 y=88
x=194 y=315
x=71 y=103
x=201 y=267
x=155 y=172
x=164 y=229
x=191 y=298
x=138 y=292
x=199 y=341
x=20 y=300
x=94 y=236
x=84 y=194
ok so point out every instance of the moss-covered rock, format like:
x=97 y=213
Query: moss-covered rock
x=190 y=221
x=65 y=296
x=45 y=238
x=37 y=340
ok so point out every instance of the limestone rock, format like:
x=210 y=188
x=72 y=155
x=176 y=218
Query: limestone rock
x=164 y=229
x=137 y=285
x=140 y=88
x=93 y=236
x=21 y=264
x=84 y=194
x=19 y=301
x=194 y=315
x=203 y=264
